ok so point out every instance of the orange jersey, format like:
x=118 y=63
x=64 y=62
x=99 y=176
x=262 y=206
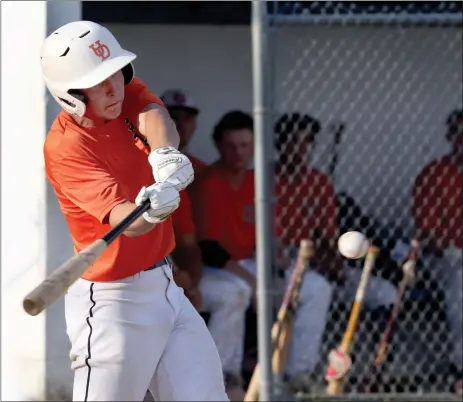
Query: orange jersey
x=438 y=201
x=224 y=214
x=93 y=169
x=182 y=218
x=306 y=207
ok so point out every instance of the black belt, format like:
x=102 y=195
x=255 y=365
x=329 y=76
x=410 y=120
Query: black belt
x=164 y=261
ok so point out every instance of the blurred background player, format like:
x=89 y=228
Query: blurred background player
x=438 y=215
x=128 y=323
x=184 y=112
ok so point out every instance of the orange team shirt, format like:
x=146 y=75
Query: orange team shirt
x=182 y=218
x=438 y=201
x=224 y=214
x=93 y=169
x=306 y=207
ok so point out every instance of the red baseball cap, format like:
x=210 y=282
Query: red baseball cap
x=178 y=99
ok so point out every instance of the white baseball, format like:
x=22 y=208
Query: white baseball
x=353 y=245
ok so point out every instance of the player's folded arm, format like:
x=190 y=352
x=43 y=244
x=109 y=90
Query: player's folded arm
x=213 y=254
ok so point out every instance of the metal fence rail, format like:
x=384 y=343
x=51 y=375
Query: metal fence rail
x=378 y=85
x=383 y=398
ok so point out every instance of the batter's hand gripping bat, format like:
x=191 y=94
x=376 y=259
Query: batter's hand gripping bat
x=282 y=329
x=64 y=276
x=408 y=269
x=339 y=360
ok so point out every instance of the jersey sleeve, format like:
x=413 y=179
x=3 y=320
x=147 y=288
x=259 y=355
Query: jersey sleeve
x=138 y=96
x=85 y=181
x=183 y=217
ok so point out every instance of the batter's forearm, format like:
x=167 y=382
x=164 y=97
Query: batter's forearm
x=158 y=127
x=137 y=228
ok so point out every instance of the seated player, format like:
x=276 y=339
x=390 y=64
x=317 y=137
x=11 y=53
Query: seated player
x=184 y=112
x=223 y=208
x=437 y=211
x=223 y=202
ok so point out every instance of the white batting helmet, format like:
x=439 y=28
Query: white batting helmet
x=80 y=55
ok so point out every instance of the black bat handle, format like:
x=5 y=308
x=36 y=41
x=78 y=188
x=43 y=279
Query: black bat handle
x=117 y=230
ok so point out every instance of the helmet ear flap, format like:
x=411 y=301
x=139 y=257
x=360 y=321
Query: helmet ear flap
x=128 y=72
x=79 y=95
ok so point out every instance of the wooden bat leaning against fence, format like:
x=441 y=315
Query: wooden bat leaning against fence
x=408 y=269
x=339 y=359
x=282 y=329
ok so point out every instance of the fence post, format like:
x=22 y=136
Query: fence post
x=263 y=175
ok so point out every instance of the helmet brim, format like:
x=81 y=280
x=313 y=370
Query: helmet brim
x=103 y=71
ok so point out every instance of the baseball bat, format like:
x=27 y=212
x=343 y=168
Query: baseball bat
x=408 y=269
x=282 y=329
x=55 y=285
x=335 y=385
x=337 y=129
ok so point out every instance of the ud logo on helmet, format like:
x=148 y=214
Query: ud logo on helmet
x=102 y=51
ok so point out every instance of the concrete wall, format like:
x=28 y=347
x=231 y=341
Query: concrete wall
x=34 y=238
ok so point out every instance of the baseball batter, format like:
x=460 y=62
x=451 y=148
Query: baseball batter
x=131 y=328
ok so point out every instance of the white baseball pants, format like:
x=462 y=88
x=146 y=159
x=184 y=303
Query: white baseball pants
x=136 y=334
x=227 y=298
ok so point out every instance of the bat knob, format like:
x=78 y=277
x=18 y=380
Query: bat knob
x=32 y=307
x=339 y=364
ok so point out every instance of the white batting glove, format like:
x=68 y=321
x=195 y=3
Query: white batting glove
x=164 y=199
x=171 y=166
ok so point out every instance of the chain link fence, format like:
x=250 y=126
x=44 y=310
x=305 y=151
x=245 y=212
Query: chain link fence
x=370 y=93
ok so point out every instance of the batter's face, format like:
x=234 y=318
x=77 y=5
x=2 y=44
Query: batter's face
x=236 y=149
x=105 y=99
x=186 y=123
